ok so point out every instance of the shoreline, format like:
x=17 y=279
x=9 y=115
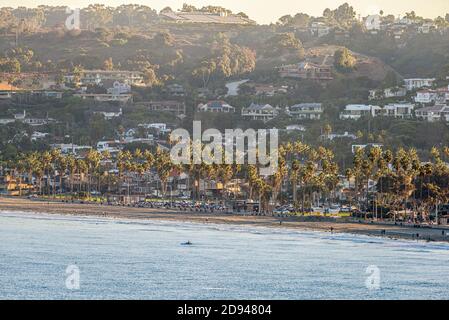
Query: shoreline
x=118 y=212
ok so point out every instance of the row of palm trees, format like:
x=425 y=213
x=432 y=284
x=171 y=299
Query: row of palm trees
x=309 y=174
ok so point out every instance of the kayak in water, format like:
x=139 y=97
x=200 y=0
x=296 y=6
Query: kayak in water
x=188 y=243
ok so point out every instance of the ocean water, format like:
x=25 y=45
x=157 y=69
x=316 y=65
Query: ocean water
x=123 y=259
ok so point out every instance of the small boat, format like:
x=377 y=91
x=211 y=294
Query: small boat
x=188 y=243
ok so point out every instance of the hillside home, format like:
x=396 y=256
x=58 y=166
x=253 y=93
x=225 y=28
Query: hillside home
x=387 y=93
x=434 y=113
x=119 y=88
x=177 y=108
x=333 y=136
x=269 y=90
x=70 y=148
x=105 y=97
x=112 y=146
x=319 y=29
x=295 y=127
x=22 y=117
x=439 y=96
x=110 y=115
x=159 y=128
x=216 y=106
x=176 y=90
x=307 y=71
x=260 y=112
x=399 y=110
x=418 y=83
x=306 y=111
x=205 y=17
x=98 y=77
x=356 y=111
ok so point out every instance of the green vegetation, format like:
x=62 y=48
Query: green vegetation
x=344 y=60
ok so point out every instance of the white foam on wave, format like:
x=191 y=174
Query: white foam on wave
x=285 y=233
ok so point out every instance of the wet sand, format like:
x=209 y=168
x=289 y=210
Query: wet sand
x=117 y=212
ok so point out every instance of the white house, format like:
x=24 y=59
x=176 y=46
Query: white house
x=395 y=92
x=110 y=115
x=104 y=97
x=70 y=148
x=418 y=83
x=295 y=127
x=119 y=88
x=159 y=127
x=216 y=106
x=426 y=96
x=260 y=112
x=440 y=95
x=109 y=146
x=22 y=117
x=399 y=110
x=333 y=136
x=38 y=135
x=309 y=111
x=356 y=111
x=97 y=77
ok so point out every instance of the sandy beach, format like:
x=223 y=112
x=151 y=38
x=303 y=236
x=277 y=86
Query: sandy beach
x=117 y=212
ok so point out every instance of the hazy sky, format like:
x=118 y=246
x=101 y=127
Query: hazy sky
x=266 y=11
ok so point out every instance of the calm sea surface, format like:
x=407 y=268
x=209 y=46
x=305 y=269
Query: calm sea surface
x=122 y=259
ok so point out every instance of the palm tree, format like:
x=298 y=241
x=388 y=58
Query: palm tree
x=46 y=160
x=55 y=155
x=123 y=159
x=295 y=171
x=71 y=167
x=83 y=168
x=31 y=162
x=163 y=167
x=93 y=159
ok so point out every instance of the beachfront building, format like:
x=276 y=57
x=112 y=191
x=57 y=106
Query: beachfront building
x=306 y=111
x=14 y=185
x=216 y=106
x=399 y=110
x=418 y=83
x=260 y=112
x=306 y=71
x=356 y=111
